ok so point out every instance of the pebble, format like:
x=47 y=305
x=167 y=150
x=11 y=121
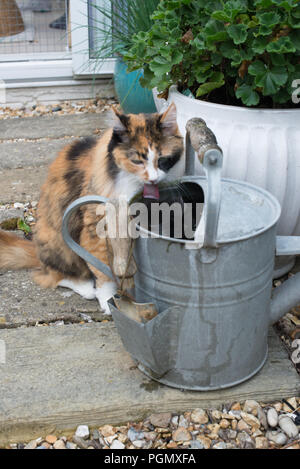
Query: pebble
x=82 y=431
x=18 y=205
x=278 y=438
x=51 y=439
x=83 y=444
x=287 y=425
x=293 y=402
x=116 y=444
x=175 y=420
x=236 y=406
x=31 y=445
x=246 y=426
x=195 y=444
x=220 y=445
x=199 y=416
x=250 y=420
x=224 y=423
x=70 y=445
x=206 y=442
x=134 y=435
x=150 y=436
x=59 y=444
x=107 y=430
x=160 y=420
x=262 y=418
x=261 y=442
x=216 y=414
x=181 y=434
x=139 y=443
x=243 y=426
x=272 y=417
x=244 y=440
x=183 y=422
x=250 y=406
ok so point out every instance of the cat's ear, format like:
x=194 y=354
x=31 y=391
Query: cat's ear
x=168 y=120
x=120 y=121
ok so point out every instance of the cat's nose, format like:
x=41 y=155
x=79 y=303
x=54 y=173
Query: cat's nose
x=153 y=181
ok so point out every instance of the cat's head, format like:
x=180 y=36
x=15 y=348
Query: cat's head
x=148 y=146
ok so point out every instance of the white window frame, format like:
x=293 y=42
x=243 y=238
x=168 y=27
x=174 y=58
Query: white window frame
x=83 y=65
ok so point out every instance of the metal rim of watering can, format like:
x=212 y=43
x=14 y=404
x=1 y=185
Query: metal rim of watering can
x=197 y=179
x=80 y=251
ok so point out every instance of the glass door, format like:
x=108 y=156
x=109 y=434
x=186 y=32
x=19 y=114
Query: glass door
x=87 y=40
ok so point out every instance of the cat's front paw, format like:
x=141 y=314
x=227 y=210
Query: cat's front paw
x=104 y=293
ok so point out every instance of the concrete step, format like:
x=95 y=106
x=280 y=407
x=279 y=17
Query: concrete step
x=34 y=154
x=75 y=125
x=58 y=377
x=21 y=185
x=23 y=302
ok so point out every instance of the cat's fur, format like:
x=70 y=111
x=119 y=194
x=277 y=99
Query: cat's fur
x=140 y=148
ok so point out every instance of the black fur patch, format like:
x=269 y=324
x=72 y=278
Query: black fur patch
x=74 y=178
x=56 y=262
x=153 y=129
x=112 y=168
x=80 y=147
x=166 y=163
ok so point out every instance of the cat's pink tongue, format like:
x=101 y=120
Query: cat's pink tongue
x=151 y=191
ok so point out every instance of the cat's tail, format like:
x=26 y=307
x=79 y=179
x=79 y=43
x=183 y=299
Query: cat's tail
x=17 y=253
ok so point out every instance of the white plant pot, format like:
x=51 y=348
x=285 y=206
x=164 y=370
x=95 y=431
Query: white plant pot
x=261 y=146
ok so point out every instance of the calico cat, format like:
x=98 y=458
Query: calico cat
x=139 y=149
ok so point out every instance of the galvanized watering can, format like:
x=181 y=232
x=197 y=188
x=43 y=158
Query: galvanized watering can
x=213 y=294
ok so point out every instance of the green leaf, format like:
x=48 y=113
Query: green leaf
x=295 y=38
x=248 y=96
x=238 y=32
x=22 y=225
x=269 y=19
x=216 y=81
x=281 y=46
x=215 y=31
x=221 y=16
x=286 y=4
x=259 y=45
x=270 y=79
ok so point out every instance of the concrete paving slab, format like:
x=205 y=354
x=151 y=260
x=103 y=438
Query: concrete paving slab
x=23 y=302
x=56 y=378
x=14 y=155
x=22 y=184
x=78 y=125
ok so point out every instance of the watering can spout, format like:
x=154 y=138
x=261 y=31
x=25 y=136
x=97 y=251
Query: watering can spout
x=287 y=295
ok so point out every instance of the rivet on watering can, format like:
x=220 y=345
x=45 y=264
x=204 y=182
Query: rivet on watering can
x=212 y=159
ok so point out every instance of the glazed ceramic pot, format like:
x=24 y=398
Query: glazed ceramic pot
x=132 y=96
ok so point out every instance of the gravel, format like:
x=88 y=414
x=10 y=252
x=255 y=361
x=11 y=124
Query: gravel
x=236 y=425
x=65 y=107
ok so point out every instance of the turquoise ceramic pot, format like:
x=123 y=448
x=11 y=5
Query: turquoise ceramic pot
x=132 y=96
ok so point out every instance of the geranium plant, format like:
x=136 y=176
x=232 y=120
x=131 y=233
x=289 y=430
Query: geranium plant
x=240 y=52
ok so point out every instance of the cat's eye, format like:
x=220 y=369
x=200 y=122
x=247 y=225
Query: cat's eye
x=166 y=163
x=137 y=161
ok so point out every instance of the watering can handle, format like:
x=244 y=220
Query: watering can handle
x=80 y=251
x=202 y=141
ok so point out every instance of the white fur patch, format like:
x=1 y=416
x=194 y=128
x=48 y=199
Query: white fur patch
x=127 y=185
x=155 y=174
x=84 y=288
x=104 y=293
